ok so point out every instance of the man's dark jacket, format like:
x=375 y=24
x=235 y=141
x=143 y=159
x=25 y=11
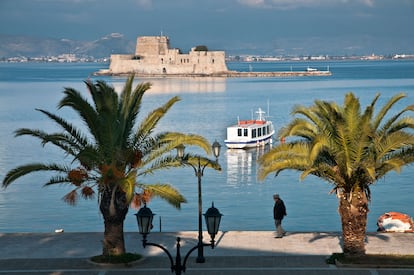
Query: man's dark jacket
x=279 y=210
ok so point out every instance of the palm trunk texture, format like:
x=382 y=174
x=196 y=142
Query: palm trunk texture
x=114 y=209
x=354 y=213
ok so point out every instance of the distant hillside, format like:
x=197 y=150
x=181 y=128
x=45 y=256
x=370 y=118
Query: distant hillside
x=11 y=46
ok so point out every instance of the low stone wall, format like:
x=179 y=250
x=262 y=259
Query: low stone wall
x=226 y=74
x=278 y=74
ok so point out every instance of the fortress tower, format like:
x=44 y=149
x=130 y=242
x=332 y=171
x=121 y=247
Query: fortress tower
x=152 y=45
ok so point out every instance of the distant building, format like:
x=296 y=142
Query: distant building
x=153 y=56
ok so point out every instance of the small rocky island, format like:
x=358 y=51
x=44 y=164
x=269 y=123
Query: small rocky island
x=154 y=58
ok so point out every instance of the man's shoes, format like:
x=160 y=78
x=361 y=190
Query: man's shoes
x=278 y=237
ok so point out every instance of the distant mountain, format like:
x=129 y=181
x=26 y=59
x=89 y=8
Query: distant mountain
x=116 y=43
x=11 y=46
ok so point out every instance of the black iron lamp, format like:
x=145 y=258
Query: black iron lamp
x=144 y=220
x=199 y=171
x=213 y=218
x=216 y=149
x=180 y=151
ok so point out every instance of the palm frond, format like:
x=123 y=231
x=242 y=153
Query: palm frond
x=69 y=128
x=197 y=160
x=73 y=99
x=385 y=109
x=404 y=123
x=299 y=127
x=160 y=163
x=105 y=98
x=168 y=141
x=166 y=192
x=128 y=185
x=23 y=170
x=129 y=107
x=176 y=138
x=282 y=157
x=151 y=121
x=58 y=180
x=67 y=143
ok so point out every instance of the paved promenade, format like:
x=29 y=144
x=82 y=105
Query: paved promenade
x=237 y=252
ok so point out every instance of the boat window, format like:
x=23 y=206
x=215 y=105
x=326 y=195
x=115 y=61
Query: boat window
x=268 y=129
x=245 y=133
x=259 y=132
x=264 y=131
x=239 y=132
x=253 y=133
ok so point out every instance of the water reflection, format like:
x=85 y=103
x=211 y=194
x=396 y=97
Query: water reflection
x=180 y=85
x=241 y=165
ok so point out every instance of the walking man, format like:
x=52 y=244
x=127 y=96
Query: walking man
x=279 y=211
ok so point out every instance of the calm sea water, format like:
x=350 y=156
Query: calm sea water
x=208 y=105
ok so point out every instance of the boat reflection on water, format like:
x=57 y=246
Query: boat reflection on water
x=242 y=166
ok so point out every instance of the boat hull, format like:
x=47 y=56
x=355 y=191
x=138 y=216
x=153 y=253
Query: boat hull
x=249 y=143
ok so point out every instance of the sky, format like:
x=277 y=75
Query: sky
x=274 y=27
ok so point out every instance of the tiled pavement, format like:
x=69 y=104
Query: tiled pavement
x=237 y=252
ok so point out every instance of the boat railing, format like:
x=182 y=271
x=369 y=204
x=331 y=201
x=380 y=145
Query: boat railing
x=246 y=122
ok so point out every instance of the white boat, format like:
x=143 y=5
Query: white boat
x=309 y=69
x=250 y=133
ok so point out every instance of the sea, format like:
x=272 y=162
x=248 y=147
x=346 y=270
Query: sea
x=207 y=107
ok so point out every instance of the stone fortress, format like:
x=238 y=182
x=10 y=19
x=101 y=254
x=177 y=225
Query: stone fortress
x=153 y=56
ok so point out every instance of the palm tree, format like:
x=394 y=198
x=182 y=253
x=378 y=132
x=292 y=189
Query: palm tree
x=350 y=149
x=111 y=153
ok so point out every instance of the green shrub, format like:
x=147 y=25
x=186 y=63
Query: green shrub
x=201 y=48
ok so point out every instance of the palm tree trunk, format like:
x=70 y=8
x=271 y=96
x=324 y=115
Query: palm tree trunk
x=113 y=243
x=353 y=214
x=114 y=208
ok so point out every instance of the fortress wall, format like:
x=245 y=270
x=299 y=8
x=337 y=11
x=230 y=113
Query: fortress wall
x=210 y=62
x=172 y=63
x=153 y=56
x=116 y=57
x=124 y=66
x=120 y=62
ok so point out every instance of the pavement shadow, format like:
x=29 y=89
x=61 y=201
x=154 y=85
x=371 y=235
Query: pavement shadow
x=380 y=236
x=318 y=235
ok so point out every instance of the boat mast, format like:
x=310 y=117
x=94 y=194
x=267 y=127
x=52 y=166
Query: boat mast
x=268 y=111
x=261 y=116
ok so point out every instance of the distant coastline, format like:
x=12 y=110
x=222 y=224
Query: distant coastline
x=74 y=58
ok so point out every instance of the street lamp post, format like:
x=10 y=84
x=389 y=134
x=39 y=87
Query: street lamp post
x=144 y=220
x=199 y=171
